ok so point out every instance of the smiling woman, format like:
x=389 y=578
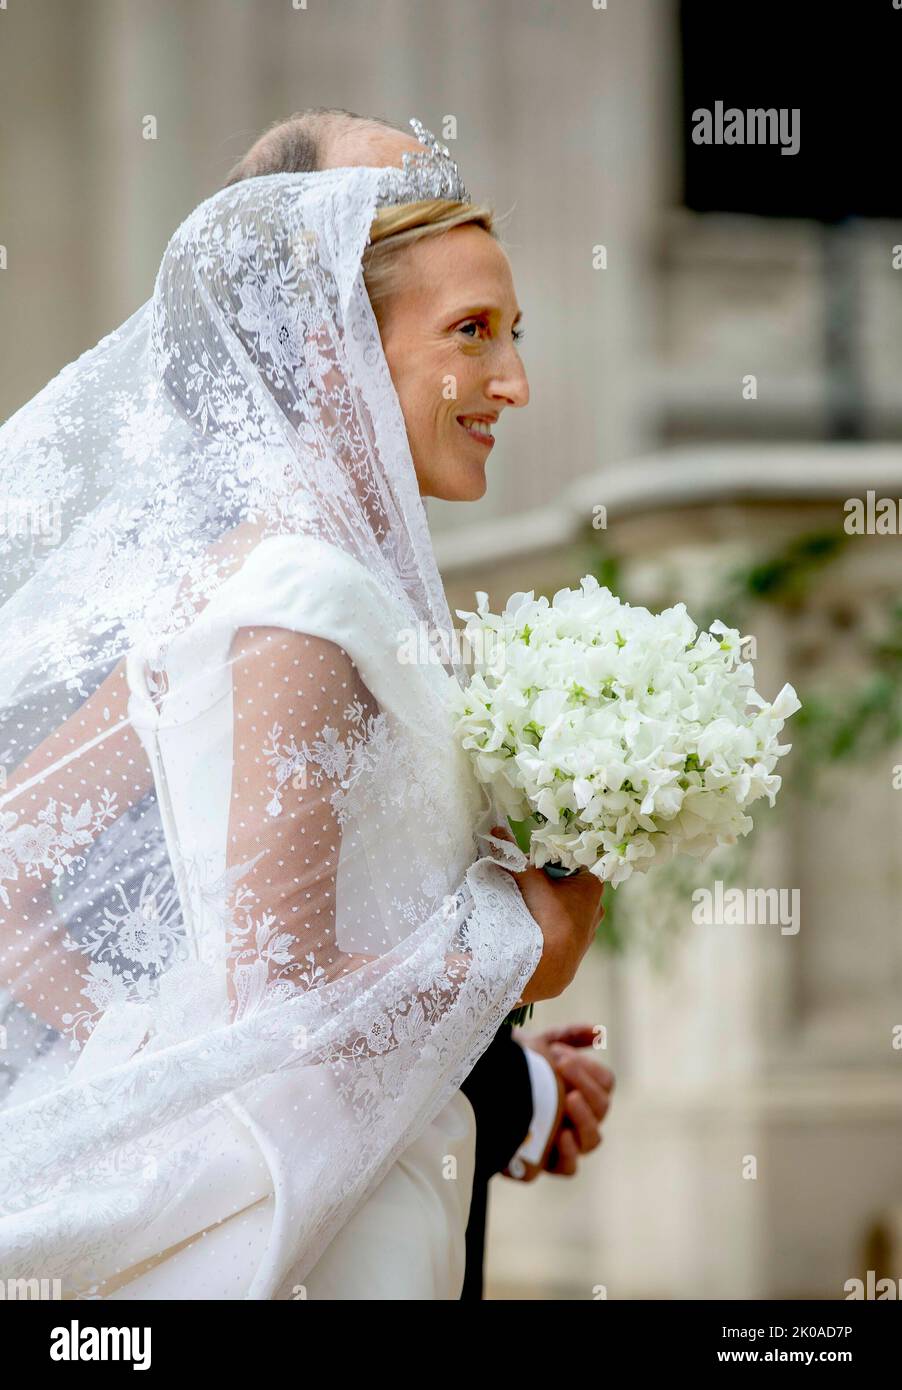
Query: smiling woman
x=253 y=933
x=443 y=295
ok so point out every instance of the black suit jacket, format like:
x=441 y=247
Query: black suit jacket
x=500 y=1092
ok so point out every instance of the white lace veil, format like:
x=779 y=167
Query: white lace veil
x=240 y=863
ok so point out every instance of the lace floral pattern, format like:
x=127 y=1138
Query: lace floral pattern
x=328 y=756
x=50 y=842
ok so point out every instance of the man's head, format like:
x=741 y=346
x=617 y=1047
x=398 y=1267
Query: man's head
x=324 y=138
x=441 y=290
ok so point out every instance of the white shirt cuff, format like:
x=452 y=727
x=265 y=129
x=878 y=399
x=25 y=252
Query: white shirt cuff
x=544 y=1106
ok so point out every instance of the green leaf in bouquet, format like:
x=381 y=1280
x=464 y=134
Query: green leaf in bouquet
x=517 y=1017
x=522 y=832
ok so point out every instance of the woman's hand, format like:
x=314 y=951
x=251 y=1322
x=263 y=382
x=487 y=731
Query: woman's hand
x=568 y=910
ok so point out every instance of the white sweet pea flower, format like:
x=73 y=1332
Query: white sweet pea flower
x=620 y=736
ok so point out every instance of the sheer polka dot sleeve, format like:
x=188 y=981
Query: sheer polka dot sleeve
x=315 y=847
x=301 y=720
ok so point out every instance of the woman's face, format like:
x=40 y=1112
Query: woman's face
x=450 y=340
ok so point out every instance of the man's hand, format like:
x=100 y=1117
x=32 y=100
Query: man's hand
x=587 y=1086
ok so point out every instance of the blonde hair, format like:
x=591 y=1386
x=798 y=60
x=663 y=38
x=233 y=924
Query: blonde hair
x=396 y=227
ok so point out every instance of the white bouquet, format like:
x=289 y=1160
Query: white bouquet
x=611 y=737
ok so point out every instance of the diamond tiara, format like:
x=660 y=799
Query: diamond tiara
x=431 y=173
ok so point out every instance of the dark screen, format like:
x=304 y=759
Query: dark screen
x=839 y=64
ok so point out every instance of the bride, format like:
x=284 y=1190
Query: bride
x=255 y=925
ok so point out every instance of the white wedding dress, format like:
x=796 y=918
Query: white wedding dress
x=254 y=932
x=407 y=1239
x=405 y=1242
